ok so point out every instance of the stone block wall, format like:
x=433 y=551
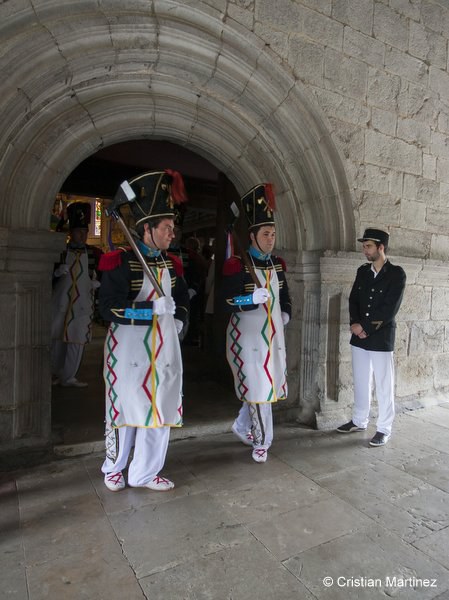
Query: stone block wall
x=378 y=70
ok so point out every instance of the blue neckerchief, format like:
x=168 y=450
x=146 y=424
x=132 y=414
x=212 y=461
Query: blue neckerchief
x=258 y=254
x=146 y=251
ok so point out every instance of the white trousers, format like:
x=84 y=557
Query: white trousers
x=365 y=364
x=65 y=359
x=150 y=450
x=257 y=418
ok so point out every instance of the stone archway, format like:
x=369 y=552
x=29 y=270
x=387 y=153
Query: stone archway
x=81 y=77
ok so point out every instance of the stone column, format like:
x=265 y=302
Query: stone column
x=26 y=263
x=337 y=273
x=302 y=336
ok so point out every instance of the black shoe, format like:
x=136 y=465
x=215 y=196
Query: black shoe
x=379 y=439
x=349 y=428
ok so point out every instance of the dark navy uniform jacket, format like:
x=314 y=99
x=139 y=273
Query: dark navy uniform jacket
x=237 y=281
x=374 y=303
x=123 y=278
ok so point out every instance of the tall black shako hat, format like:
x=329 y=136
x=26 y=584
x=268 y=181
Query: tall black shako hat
x=375 y=235
x=79 y=214
x=259 y=205
x=156 y=195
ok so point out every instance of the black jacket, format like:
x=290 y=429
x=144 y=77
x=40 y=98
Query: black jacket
x=237 y=281
x=374 y=303
x=122 y=280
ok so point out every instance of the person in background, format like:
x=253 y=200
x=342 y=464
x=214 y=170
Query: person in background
x=75 y=280
x=374 y=301
x=255 y=343
x=209 y=343
x=142 y=355
x=195 y=274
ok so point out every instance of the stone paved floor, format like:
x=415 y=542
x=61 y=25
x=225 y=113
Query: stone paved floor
x=325 y=505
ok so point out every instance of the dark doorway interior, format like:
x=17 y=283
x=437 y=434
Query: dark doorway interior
x=209 y=400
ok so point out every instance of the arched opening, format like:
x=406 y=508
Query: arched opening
x=77 y=413
x=177 y=74
x=193 y=80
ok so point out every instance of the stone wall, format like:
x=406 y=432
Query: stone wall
x=379 y=72
x=343 y=104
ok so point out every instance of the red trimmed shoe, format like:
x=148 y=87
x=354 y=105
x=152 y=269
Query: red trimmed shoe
x=160 y=484
x=114 y=481
x=245 y=438
x=260 y=455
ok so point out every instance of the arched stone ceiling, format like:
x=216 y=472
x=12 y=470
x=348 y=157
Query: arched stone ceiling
x=80 y=76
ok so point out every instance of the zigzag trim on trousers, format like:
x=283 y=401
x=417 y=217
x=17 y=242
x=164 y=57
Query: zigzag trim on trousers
x=257 y=428
x=112 y=441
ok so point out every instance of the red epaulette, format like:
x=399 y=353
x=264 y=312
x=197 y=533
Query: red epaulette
x=110 y=260
x=177 y=264
x=232 y=265
x=283 y=263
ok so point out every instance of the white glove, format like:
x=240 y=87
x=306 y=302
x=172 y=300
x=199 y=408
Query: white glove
x=285 y=318
x=260 y=296
x=95 y=284
x=165 y=305
x=61 y=270
x=192 y=293
x=179 y=325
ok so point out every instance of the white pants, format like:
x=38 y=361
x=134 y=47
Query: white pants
x=258 y=419
x=365 y=363
x=65 y=359
x=150 y=450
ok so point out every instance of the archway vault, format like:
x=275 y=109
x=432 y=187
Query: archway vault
x=83 y=77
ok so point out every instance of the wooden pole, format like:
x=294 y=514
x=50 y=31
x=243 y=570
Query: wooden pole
x=146 y=269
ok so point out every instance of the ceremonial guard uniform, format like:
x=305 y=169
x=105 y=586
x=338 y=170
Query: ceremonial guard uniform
x=374 y=301
x=75 y=280
x=142 y=357
x=255 y=343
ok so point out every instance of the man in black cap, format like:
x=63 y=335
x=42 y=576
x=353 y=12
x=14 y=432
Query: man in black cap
x=374 y=301
x=75 y=280
x=143 y=364
x=256 y=294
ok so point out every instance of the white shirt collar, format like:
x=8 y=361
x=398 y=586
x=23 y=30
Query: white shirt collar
x=376 y=273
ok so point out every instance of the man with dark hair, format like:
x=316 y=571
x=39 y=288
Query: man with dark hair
x=75 y=280
x=255 y=341
x=374 y=301
x=143 y=365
